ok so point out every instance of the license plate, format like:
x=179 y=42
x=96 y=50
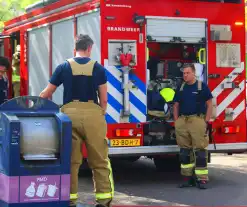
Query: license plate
x=125 y=142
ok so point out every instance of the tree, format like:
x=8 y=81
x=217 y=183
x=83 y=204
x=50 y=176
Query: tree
x=12 y=8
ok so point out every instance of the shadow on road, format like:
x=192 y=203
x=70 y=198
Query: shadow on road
x=139 y=183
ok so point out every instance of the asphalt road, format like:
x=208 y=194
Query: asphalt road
x=140 y=183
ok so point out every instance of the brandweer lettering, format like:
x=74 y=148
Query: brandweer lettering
x=123 y=29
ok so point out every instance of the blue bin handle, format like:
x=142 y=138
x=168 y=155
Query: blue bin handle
x=29 y=104
x=1 y=137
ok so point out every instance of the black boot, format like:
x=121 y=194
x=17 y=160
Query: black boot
x=202 y=184
x=188 y=181
x=107 y=204
x=72 y=204
x=99 y=205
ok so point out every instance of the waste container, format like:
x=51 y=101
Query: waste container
x=35 y=148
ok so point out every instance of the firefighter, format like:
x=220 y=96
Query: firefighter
x=16 y=71
x=4 y=83
x=192 y=111
x=83 y=79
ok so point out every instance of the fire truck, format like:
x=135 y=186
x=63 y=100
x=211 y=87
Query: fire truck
x=143 y=46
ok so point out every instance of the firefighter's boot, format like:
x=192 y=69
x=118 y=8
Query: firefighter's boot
x=99 y=205
x=202 y=184
x=72 y=204
x=188 y=181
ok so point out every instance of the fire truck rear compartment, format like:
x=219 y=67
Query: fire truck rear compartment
x=165 y=71
x=171 y=42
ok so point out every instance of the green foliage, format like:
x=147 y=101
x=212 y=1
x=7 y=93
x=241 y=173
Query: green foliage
x=12 y=8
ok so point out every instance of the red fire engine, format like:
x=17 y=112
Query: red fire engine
x=143 y=45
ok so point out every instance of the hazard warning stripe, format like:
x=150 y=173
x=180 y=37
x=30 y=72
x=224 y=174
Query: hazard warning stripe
x=230 y=98
x=233 y=95
x=137 y=97
x=112 y=116
x=232 y=76
x=238 y=110
x=115 y=93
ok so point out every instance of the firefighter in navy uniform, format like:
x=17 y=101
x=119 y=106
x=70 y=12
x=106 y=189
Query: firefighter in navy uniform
x=192 y=111
x=83 y=79
x=4 y=83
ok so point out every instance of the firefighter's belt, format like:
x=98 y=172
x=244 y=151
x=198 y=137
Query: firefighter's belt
x=192 y=115
x=156 y=113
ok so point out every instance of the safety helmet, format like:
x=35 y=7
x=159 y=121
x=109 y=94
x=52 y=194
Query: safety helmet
x=167 y=94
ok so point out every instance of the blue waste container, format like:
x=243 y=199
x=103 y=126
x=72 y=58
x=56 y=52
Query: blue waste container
x=35 y=148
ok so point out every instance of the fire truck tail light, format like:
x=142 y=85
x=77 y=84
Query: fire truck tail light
x=239 y=23
x=231 y=129
x=125 y=132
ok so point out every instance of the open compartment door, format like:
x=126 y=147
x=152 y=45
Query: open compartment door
x=8 y=45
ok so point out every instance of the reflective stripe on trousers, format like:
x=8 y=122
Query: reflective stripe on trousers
x=74 y=196
x=201 y=172
x=186 y=166
x=101 y=196
x=187 y=169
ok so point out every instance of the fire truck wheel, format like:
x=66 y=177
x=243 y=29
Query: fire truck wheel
x=167 y=164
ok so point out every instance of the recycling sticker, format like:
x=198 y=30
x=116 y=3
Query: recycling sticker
x=39 y=188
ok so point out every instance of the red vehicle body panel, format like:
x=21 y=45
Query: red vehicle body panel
x=214 y=12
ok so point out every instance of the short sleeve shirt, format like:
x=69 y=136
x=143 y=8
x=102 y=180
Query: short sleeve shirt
x=187 y=99
x=63 y=75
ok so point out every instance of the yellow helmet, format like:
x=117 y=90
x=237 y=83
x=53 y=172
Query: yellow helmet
x=167 y=94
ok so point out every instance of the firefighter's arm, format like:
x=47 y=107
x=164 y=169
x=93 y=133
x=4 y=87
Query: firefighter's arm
x=209 y=110
x=48 y=91
x=103 y=96
x=55 y=81
x=175 y=110
x=176 y=101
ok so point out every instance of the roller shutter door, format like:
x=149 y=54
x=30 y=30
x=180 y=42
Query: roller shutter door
x=164 y=29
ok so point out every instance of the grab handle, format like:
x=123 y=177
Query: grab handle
x=202 y=52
